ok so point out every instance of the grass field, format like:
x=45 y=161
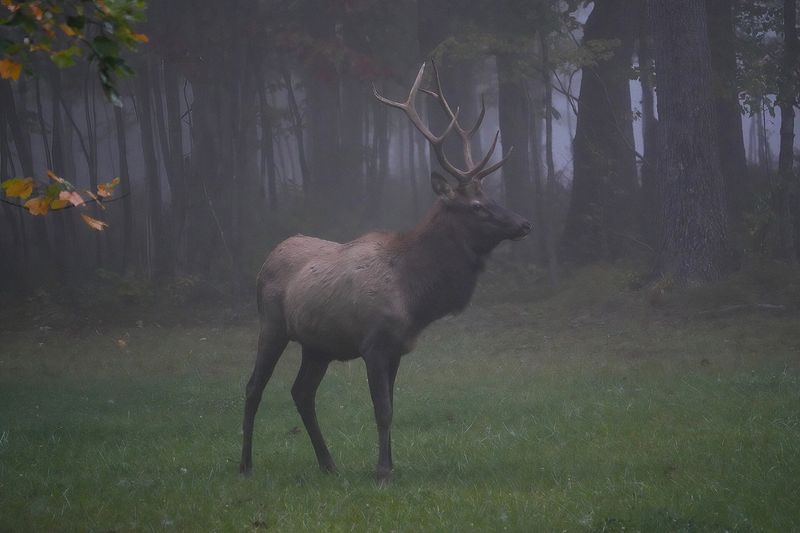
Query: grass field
x=587 y=410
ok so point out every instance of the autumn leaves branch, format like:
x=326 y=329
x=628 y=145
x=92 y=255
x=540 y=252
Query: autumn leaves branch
x=56 y=195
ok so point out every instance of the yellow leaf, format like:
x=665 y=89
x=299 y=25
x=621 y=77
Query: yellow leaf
x=93 y=223
x=10 y=69
x=71 y=197
x=140 y=37
x=38 y=205
x=104 y=189
x=18 y=187
x=58 y=203
x=67 y=30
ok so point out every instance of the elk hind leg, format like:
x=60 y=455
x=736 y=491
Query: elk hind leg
x=271 y=343
x=304 y=393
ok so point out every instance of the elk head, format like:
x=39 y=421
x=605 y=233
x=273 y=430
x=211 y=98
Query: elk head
x=484 y=218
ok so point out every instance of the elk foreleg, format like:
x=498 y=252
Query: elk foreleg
x=304 y=393
x=381 y=372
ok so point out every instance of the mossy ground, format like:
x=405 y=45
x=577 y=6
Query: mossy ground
x=593 y=408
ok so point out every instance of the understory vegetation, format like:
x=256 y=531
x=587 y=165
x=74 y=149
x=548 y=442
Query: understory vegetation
x=599 y=407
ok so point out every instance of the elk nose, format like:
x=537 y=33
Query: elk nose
x=525 y=227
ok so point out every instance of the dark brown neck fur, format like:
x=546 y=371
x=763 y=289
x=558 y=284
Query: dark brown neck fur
x=439 y=264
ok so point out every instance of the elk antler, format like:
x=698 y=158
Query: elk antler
x=478 y=171
x=409 y=108
x=473 y=172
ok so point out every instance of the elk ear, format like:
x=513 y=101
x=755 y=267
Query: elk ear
x=440 y=186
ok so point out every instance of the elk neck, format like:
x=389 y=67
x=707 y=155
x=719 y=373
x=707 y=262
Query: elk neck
x=439 y=263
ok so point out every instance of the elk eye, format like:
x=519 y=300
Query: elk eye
x=477 y=206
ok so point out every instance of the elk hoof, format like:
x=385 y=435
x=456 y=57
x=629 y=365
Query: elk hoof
x=329 y=468
x=383 y=477
x=245 y=469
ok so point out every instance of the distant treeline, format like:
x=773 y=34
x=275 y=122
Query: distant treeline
x=246 y=122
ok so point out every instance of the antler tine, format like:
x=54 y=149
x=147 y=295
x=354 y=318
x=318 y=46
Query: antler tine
x=464 y=133
x=474 y=171
x=485 y=172
x=465 y=136
x=409 y=103
x=437 y=143
x=412 y=94
x=440 y=95
x=486 y=157
x=479 y=120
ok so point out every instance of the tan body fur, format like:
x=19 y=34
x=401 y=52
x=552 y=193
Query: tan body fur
x=332 y=296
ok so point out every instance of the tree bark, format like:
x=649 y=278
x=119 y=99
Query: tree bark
x=649 y=220
x=13 y=263
x=124 y=176
x=176 y=170
x=297 y=128
x=536 y=125
x=155 y=233
x=512 y=106
x=379 y=164
x=730 y=135
x=90 y=119
x=787 y=99
x=694 y=233
x=21 y=136
x=550 y=240
x=603 y=205
x=267 y=146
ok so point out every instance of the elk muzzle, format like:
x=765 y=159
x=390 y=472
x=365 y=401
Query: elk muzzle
x=523 y=228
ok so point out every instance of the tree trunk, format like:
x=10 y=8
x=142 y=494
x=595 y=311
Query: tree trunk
x=354 y=100
x=380 y=151
x=536 y=124
x=22 y=141
x=787 y=99
x=694 y=232
x=297 y=128
x=14 y=262
x=124 y=175
x=155 y=230
x=649 y=200
x=63 y=151
x=176 y=170
x=552 y=259
x=512 y=105
x=90 y=119
x=722 y=41
x=62 y=221
x=267 y=147
x=764 y=149
x=603 y=206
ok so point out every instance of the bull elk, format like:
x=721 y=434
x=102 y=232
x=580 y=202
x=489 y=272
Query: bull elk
x=371 y=297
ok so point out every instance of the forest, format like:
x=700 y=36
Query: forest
x=631 y=364
x=251 y=121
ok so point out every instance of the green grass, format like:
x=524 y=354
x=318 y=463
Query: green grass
x=586 y=411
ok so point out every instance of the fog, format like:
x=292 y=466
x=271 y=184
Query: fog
x=219 y=272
